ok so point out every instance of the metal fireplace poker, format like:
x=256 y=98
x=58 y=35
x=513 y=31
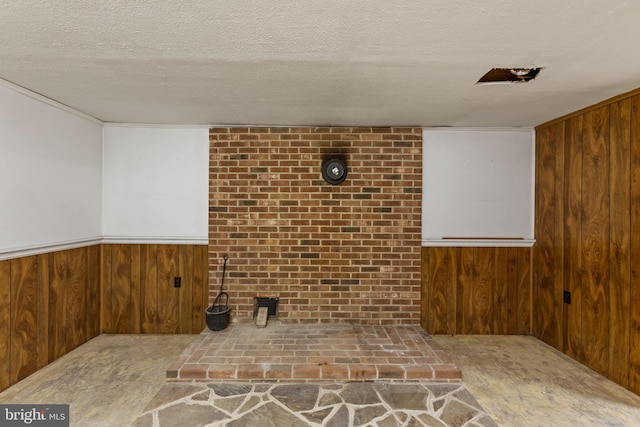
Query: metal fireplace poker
x=218 y=314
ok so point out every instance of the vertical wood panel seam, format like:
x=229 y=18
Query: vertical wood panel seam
x=11 y=325
x=629 y=313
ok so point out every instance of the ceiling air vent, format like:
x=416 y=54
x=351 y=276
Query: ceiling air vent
x=509 y=75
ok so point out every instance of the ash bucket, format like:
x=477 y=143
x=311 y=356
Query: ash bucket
x=217 y=314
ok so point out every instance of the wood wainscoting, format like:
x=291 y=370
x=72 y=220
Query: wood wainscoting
x=54 y=302
x=588 y=239
x=49 y=305
x=138 y=293
x=476 y=290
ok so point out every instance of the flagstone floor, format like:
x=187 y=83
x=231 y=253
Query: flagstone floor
x=314 y=375
x=304 y=404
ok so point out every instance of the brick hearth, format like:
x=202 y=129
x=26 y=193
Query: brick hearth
x=314 y=352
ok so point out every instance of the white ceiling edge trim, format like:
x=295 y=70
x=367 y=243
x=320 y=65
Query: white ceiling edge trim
x=53 y=103
x=252 y=126
x=156 y=126
x=218 y=126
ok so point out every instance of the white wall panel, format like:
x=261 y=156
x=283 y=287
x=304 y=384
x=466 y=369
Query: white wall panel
x=50 y=174
x=478 y=186
x=155 y=184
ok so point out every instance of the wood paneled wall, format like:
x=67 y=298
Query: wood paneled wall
x=49 y=305
x=54 y=302
x=476 y=290
x=588 y=237
x=138 y=293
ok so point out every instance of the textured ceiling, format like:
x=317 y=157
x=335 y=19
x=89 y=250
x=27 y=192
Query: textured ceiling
x=309 y=62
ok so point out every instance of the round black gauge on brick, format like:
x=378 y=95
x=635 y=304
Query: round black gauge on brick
x=334 y=170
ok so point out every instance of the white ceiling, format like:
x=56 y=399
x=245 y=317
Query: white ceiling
x=312 y=62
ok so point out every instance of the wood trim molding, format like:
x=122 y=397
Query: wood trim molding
x=48 y=247
x=471 y=242
x=580 y=112
x=159 y=240
x=73 y=244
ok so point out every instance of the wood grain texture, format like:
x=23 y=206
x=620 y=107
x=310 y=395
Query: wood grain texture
x=5 y=324
x=452 y=296
x=502 y=316
x=512 y=289
x=558 y=225
x=572 y=263
x=149 y=288
x=136 y=290
x=483 y=291
x=42 y=310
x=599 y=240
x=524 y=291
x=121 y=286
x=93 y=290
x=200 y=291
x=106 y=314
x=547 y=315
x=595 y=238
x=464 y=291
x=76 y=299
x=60 y=277
x=620 y=251
x=436 y=268
x=54 y=302
x=634 y=371
x=607 y=102
x=24 y=274
x=140 y=291
x=168 y=321
x=186 y=293
x=476 y=290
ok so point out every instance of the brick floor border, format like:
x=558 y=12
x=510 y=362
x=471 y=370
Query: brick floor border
x=314 y=353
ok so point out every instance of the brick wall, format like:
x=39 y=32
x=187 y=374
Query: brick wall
x=345 y=253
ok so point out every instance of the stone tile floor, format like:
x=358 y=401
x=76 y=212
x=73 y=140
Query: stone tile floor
x=521 y=381
x=518 y=381
x=304 y=404
x=313 y=353
x=107 y=382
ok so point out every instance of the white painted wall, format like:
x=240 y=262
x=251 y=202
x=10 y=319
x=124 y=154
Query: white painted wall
x=155 y=184
x=50 y=174
x=478 y=184
x=67 y=180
